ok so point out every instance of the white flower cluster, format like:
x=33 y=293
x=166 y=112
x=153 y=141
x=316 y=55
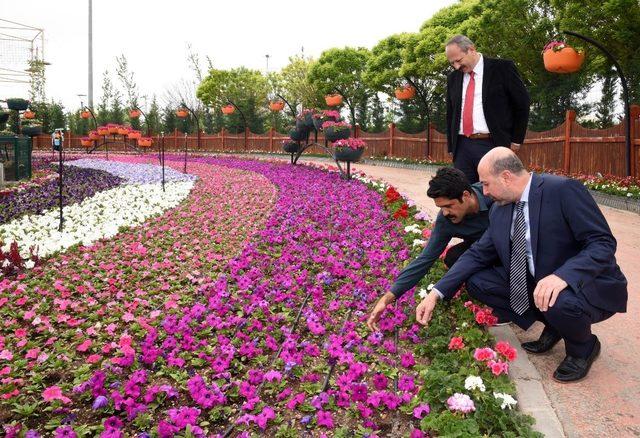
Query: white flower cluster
x=415 y=228
x=506 y=400
x=474 y=382
x=419 y=242
x=98 y=217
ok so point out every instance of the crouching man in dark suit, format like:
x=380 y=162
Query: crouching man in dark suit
x=558 y=258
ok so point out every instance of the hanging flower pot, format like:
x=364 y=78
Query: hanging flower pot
x=93 y=135
x=134 y=113
x=113 y=128
x=133 y=134
x=85 y=114
x=182 y=113
x=297 y=134
x=349 y=149
x=405 y=93
x=17 y=104
x=561 y=58
x=145 y=142
x=32 y=130
x=228 y=109
x=123 y=130
x=103 y=130
x=334 y=131
x=29 y=115
x=333 y=99
x=276 y=105
x=290 y=146
x=86 y=142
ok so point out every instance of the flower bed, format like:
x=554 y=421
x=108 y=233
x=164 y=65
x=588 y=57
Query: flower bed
x=187 y=324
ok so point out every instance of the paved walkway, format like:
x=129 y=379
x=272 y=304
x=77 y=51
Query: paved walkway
x=607 y=403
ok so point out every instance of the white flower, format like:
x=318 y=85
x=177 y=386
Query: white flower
x=29 y=264
x=430 y=286
x=415 y=228
x=422 y=293
x=506 y=400
x=419 y=242
x=474 y=382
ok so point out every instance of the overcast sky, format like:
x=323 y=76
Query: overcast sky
x=154 y=36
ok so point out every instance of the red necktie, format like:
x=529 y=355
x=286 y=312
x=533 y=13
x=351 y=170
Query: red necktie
x=467 y=111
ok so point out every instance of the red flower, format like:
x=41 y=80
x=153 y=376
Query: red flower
x=456 y=343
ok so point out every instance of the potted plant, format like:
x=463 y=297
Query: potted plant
x=325 y=116
x=85 y=114
x=134 y=113
x=103 y=130
x=559 y=57
x=17 y=104
x=29 y=114
x=123 y=130
x=307 y=117
x=183 y=113
x=145 y=142
x=291 y=146
x=86 y=142
x=113 y=128
x=350 y=149
x=93 y=135
x=333 y=99
x=228 y=109
x=276 y=105
x=32 y=127
x=133 y=134
x=334 y=131
x=405 y=92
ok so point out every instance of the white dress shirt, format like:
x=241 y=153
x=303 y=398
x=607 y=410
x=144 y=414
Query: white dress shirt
x=479 y=122
x=525 y=198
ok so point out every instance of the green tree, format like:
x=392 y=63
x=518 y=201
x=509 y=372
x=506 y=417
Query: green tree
x=293 y=83
x=103 y=115
x=341 y=70
x=152 y=122
x=605 y=109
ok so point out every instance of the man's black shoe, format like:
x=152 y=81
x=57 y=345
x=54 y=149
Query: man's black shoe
x=545 y=342
x=572 y=369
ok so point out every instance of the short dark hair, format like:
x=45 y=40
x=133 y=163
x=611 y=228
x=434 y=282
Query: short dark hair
x=448 y=183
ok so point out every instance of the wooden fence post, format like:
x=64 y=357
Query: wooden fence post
x=356 y=131
x=635 y=113
x=175 y=139
x=392 y=133
x=569 y=119
x=271 y=139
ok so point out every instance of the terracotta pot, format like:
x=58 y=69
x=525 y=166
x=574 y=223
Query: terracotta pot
x=277 y=105
x=566 y=60
x=145 y=142
x=405 y=93
x=228 y=109
x=85 y=114
x=103 y=130
x=134 y=113
x=29 y=115
x=333 y=99
x=113 y=128
x=93 y=135
x=123 y=131
x=182 y=113
x=86 y=142
x=135 y=134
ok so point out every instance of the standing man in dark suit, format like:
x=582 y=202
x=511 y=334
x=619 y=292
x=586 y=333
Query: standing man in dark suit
x=487 y=105
x=558 y=258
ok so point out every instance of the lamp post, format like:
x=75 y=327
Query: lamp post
x=244 y=120
x=182 y=113
x=625 y=94
x=162 y=158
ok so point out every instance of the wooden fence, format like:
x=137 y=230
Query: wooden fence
x=569 y=147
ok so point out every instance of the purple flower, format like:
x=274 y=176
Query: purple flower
x=100 y=402
x=65 y=432
x=421 y=410
x=324 y=419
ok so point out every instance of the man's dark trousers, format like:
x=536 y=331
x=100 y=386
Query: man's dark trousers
x=469 y=151
x=571 y=316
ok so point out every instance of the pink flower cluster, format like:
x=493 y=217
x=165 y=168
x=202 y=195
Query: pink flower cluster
x=461 y=403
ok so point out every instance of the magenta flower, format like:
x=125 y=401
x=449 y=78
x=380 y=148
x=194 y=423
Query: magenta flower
x=421 y=410
x=324 y=418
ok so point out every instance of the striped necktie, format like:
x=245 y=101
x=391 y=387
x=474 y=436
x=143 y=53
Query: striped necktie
x=519 y=298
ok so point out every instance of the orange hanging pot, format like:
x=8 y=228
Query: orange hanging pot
x=182 y=113
x=103 y=130
x=134 y=113
x=29 y=115
x=405 y=93
x=228 y=109
x=93 y=135
x=276 y=105
x=85 y=114
x=113 y=128
x=562 y=59
x=123 y=130
x=333 y=99
x=86 y=142
x=145 y=142
x=135 y=134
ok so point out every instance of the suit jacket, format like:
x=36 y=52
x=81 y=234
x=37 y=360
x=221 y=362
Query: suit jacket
x=505 y=102
x=569 y=237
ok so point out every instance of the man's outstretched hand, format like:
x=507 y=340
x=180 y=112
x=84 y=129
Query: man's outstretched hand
x=424 y=311
x=376 y=313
